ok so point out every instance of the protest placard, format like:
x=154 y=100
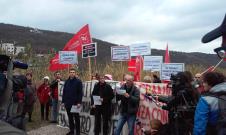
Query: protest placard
x=120 y=53
x=171 y=68
x=140 y=49
x=68 y=57
x=153 y=63
x=89 y=50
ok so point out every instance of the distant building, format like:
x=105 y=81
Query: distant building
x=19 y=49
x=35 y=30
x=11 y=49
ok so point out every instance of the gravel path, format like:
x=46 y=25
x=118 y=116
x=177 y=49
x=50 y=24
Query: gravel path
x=49 y=130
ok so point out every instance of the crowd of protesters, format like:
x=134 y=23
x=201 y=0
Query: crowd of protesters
x=46 y=94
x=203 y=89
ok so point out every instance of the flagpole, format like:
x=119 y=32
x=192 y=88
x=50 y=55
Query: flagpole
x=68 y=68
x=89 y=64
x=217 y=64
x=213 y=67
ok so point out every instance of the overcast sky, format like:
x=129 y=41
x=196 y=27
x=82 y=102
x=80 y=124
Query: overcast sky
x=180 y=23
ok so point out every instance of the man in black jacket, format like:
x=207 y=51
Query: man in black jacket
x=129 y=105
x=54 y=96
x=72 y=95
x=106 y=94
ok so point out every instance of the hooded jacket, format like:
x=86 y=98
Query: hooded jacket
x=207 y=110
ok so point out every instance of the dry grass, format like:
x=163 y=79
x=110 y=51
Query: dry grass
x=36 y=119
x=116 y=69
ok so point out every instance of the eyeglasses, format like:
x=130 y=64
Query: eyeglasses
x=221 y=52
x=72 y=72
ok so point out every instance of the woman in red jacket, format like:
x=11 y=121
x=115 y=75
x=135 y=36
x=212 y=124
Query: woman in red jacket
x=43 y=93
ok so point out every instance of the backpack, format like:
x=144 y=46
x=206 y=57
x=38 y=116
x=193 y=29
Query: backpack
x=221 y=123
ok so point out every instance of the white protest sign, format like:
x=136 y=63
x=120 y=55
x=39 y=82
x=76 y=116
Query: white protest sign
x=171 y=68
x=68 y=57
x=120 y=53
x=153 y=63
x=75 y=109
x=140 y=49
x=97 y=100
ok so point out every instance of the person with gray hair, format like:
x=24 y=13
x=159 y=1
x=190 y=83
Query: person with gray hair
x=129 y=105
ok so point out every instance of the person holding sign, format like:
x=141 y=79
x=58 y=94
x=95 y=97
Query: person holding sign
x=101 y=100
x=129 y=105
x=72 y=96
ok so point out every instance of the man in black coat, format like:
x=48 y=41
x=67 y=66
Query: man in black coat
x=72 y=95
x=106 y=94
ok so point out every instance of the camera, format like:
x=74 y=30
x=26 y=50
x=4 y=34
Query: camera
x=19 y=81
x=180 y=105
x=9 y=86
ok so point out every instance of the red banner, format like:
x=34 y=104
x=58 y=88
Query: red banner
x=54 y=64
x=80 y=38
x=132 y=65
x=74 y=44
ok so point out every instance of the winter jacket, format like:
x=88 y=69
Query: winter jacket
x=72 y=92
x=30 y=95
x=207 y=111
x=43 y=93
x=104 y=91
x=54 y=89
x=131 y=104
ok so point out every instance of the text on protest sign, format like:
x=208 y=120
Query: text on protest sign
x=68 y=57
x=147 y=111
x=89 y=50
x=140 y=49
x=153 y=63
x=120 y=53
x=171 y=68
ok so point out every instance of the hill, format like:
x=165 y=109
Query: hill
x=43 y=40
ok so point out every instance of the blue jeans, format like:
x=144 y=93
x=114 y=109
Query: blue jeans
x=54 y=109
x=123 y=118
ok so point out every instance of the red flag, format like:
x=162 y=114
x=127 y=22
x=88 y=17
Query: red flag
x=74 y=44
x=136 y=65
x=167 y=56
x=55 y=65
x=211 y=69
x=139 y=67
x=80 y=38
x=132 y=65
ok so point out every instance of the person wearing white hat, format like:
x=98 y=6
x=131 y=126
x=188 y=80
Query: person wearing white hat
x=44 y=97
